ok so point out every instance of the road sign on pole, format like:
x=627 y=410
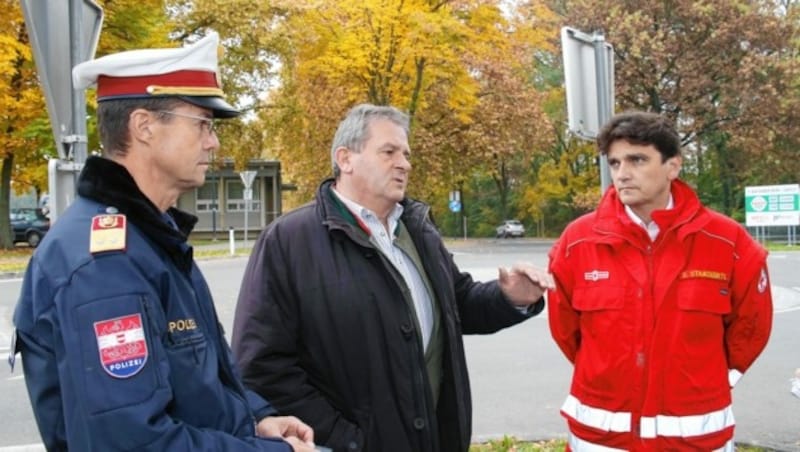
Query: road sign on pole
x=247 y=179
x=589 y=82
x=772 y=205
x=62 y=34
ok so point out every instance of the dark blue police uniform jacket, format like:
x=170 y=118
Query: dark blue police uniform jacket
x=122 y=348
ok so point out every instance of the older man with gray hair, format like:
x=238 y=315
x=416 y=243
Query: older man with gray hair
x=351 y=310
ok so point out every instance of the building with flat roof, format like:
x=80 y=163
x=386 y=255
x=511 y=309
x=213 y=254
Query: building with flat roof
x=220 y=204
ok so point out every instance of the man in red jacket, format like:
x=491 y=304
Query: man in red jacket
x=660 y=303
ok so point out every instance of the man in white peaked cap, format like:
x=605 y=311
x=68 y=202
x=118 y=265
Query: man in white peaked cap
x=122 y=348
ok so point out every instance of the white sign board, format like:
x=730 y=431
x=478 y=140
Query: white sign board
x=581 y=80
x=772 y=205
x=51 y=32
x=247 y=178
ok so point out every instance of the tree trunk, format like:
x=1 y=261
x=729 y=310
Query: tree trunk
x=6 y=240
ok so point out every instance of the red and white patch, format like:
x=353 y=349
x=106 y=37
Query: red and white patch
x=763 y=281
x=595 y=275
x=122 y=345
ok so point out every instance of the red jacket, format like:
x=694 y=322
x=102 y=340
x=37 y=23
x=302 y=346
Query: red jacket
x=659 y=331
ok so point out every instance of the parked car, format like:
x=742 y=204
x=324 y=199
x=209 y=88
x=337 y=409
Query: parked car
x=29 y=225
x=511 y=228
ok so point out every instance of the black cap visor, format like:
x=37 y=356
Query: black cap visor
x=217 y=105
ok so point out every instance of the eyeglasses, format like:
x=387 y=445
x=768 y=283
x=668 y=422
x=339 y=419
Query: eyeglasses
x=207 y=124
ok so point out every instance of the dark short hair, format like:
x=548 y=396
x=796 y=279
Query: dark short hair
x=113 y=116
x=353 y=131
x=641 y=128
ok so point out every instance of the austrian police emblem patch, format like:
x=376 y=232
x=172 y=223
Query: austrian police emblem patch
x=122 y=345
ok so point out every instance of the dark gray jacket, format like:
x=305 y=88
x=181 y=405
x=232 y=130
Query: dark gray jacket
x=323 y=331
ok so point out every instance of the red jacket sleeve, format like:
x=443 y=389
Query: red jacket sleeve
x=749 y=324
x=563 y=319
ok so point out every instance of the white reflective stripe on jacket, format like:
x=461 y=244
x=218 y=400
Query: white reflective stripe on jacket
x=684 y=426
x=598 y=418
x=650 y=426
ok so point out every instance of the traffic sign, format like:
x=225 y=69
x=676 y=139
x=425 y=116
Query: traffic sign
x=455 y=205
x=57 y=48
x=589 y=84
x=589 y=81
x=772 y=205
x=247 y=178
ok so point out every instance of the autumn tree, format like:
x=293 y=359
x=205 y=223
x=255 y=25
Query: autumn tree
x=314 y=60
x=718 y=68
x=22 y=104
x=252 y=39
x=508 y=127
x=404 y=53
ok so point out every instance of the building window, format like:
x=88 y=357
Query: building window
x=235 y=199
x=206 y=199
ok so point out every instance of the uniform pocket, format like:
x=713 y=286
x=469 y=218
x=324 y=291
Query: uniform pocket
x=698 y=360
x=704 y=296
x=195 y=380
x=607 y=341
x=601 y=308
x=186 y=352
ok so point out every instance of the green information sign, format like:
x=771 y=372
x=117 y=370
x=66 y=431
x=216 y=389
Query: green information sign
x=772 y=205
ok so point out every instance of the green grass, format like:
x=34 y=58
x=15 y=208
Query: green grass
x=15 y=260
x=511 y=444
x=200 y=253
x=780 y=246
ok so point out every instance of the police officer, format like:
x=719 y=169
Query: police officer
x=121 y=346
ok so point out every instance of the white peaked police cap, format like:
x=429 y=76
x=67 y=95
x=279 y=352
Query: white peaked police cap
x=189 y=73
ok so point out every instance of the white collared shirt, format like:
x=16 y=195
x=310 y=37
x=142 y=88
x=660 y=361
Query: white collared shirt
x=652 y=228
x=401 y=261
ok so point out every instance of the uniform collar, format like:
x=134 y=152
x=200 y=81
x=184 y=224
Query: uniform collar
x=110 y=183
x=611 y=218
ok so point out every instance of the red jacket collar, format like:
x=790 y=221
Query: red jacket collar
x=612 y=218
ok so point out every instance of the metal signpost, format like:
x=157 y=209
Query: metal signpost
x=247 y=179
x=773 y=205
x=589 y=82
x=63 y=34
x=455 y=206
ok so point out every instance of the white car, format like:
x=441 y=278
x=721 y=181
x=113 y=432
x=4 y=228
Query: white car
x=510 y=228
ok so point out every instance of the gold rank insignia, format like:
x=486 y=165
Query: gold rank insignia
x=108 y=233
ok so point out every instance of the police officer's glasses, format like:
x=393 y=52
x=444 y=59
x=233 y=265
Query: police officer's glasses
x=206 y=124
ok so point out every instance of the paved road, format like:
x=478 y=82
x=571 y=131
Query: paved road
x=519 y=378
